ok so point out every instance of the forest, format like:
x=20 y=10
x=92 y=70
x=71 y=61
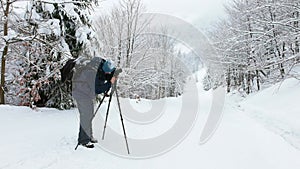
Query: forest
x=257 y=45
x=40 y=36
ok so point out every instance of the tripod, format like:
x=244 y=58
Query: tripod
x=113 y=90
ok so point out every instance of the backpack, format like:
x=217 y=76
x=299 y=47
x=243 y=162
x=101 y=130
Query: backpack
x=67 y=71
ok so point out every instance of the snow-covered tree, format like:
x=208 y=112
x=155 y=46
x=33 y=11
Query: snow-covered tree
x=49 y=33
x=5 y=14
x=151 y=66
x=257 y=42
x=75 y=38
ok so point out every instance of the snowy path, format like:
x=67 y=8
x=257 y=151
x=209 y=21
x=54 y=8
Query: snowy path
x=46 y=139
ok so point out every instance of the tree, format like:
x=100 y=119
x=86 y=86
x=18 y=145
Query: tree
x=258 y=42
x=151 y=66
x=5 y=14
x=48 y=33
x=76 y=39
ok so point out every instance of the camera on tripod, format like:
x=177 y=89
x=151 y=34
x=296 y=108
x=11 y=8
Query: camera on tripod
x=117 y=72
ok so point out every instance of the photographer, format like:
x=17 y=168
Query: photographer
x=96 y=77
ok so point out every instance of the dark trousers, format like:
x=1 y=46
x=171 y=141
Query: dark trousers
x=86 y=111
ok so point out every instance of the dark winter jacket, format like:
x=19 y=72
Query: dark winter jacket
x=104 y=74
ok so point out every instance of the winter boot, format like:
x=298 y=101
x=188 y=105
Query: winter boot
x=88 y=145
x=93 y=140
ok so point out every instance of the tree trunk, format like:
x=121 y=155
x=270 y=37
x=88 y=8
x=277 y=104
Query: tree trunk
x=4 y=53
x=282 y=71
x=296 y=25
x=248 y=82
x=119 y=53
x=297 y=45
x=257 y=80
x=228 y=80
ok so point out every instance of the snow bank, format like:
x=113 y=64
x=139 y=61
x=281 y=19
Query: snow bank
x=278 y=109
x=34 y=138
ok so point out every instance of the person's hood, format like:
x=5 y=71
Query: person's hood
x=108 y=66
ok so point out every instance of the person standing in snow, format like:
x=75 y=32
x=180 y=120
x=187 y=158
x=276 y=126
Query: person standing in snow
x=94 y=78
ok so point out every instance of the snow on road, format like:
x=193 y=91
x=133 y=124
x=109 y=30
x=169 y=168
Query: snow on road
x=45 y=138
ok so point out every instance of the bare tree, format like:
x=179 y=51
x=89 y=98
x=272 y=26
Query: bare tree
x=258 y=42
x=151 y=69
x=5 y=12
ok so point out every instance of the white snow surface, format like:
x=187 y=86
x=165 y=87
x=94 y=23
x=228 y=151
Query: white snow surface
x=250 y=135
x=278 y=109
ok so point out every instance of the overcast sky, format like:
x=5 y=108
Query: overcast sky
x=198 y=12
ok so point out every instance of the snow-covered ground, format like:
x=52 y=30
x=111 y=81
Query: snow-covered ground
x=259 y=132
x=278 y=109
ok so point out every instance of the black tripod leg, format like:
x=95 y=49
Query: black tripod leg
x=121 y=116
x=76 y=146
x=110 y=97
